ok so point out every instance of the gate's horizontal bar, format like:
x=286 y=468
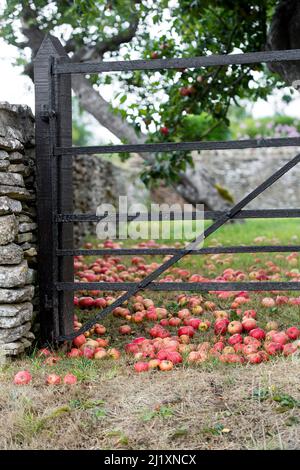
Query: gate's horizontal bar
x=166 y=216
x=180 y=63
x=179 y=146
x=174 y=251
x=180 y=286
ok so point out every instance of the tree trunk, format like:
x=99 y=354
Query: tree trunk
x=284 y=33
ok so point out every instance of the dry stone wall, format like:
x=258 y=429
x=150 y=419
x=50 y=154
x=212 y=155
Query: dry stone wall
x=17 y=229
x=240 y=171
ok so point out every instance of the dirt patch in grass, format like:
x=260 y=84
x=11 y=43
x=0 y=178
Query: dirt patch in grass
x=228 y=407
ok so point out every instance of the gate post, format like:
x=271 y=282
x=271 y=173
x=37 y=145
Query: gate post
x=54 y=190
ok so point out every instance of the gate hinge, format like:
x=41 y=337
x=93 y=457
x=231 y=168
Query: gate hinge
x=46 y=113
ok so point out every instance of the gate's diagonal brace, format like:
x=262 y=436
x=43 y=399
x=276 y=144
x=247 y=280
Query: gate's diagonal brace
x=187 y=250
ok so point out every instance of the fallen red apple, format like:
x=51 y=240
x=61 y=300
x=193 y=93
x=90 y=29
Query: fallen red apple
x=100 y=353
x=79 y=341
x=166 y=365
x=86 y=302
x=125 y=330
x=184 y=313
x=53 y=379
x=174 y=321
x=44 y=352
x=293 y=332
x=268 y=302
x=186 y=330
x=23 y=377
x=114 y=353
x=249 y=324
x=141 y=366
x=235 y=327
x=254 y=358
x=220 y=326
x=100 y=302
x=102 y=343
x=249 y=314
x=273 y=348
x=74 y=353
x=153 y=363
x=88 y=352
x=289 y=349
x=70 y=379
x=235 y=339
x=193 y=322
x=100 y=330
x=280 y=337
x=257 y=333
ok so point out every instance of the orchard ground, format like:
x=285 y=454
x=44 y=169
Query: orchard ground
x=209 y=405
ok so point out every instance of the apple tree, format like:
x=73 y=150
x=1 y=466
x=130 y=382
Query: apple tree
x=166 y=105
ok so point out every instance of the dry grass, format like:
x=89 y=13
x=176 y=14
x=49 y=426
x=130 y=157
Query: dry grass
x=228 y=407
x=213 y=406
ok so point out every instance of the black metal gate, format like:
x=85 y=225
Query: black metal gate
x=54 y=155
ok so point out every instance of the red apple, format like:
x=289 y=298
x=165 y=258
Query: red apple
x=186 y=330
x=88 y=352
x=184 y=313
x=153 y=363
x=293 y=332
x=100 y=353
x=235 y=327
x=125 y=330
x=152 y=316
x=268 y=302
x=280 y=337
x=249 y=314
x=235 y=339
x=141 y=366
x=100 y=302
x=250 y=340
x=100 y=330
x=220 y=326
x=289 y=349
x=74 y=353
x=174 y=321
x=249 y=349
x=70 y=379
x=102 y=343
x=257 y=333
x=44 y=352
x=193 y=322
x=86 y=302
x=273 y=348
x=114 y=353
x=164 y=130
x=254 y=358
x=249 y=324
x=53 y=379
x=23 y=377
x=79 y=341
x=166 y=365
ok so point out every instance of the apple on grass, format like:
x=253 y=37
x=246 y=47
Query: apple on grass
x=53 y=379
x=141 y=366
x=70 y=379
x=23 y=377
